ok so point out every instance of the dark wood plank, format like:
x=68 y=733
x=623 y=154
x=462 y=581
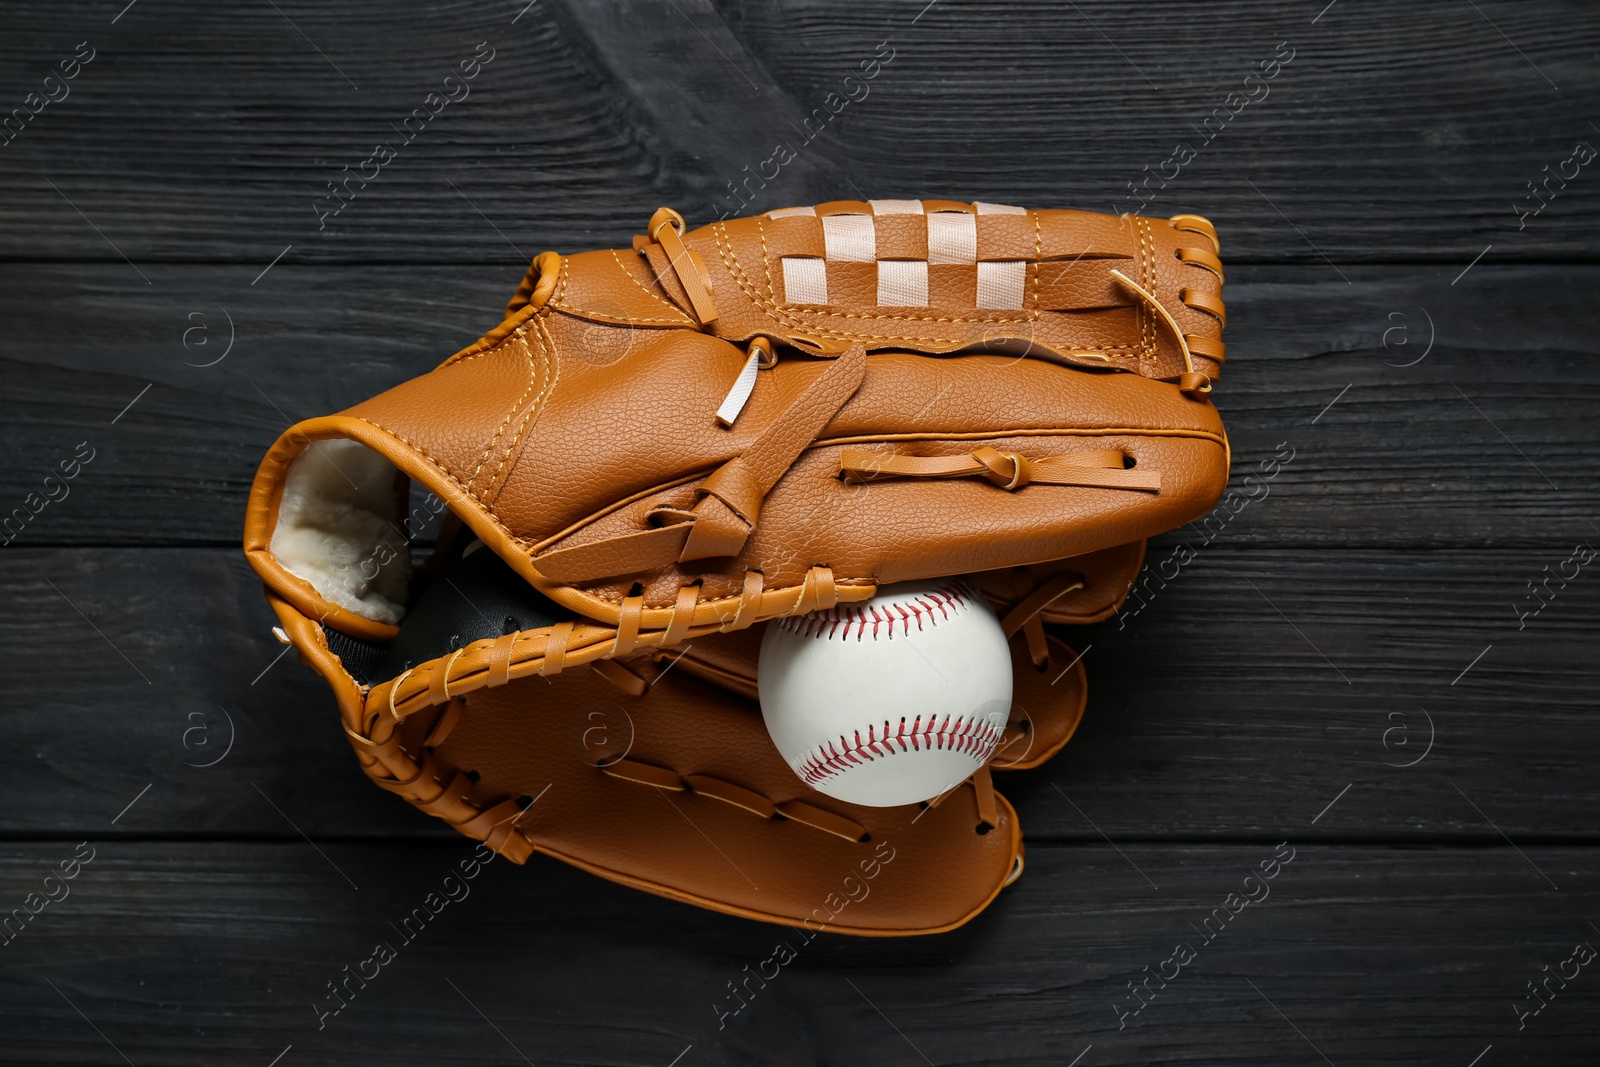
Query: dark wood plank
x=207 y=133
x=1455 y=450
x=1211 y=715
x=1349 y=662
x=220 y=953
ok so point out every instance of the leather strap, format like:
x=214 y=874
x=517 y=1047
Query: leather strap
x=827 y=821
x=1209 y=347
x=1199 y=257
x=817 y=593
x=1025 y=616
x=1008 y=470
x=666 y=229
x=1198 y=224
x=500 y=659
x=1193 y=383
x=749 y=601
x=555 y=648
x=729 y=793
x=628 y=617
x=645 y=774
x=620 y=676
x=1202 y=301
x=682 y=614
x=731 y=495
x=983 y=786
x=449 y=715
x=734 y=491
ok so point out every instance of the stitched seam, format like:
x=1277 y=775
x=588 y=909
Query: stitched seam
x=681 y=317
x=977 y=738
x=1147 y=272
x=766 y=259
x=438 y=465
x=561 y=282
x=1038 y=254
x=584 y=313
x=493 y=484
x=547 y=346
x=1023 y=431
x=533 y=377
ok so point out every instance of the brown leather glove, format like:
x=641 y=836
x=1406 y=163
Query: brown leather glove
x=690 y=438
x=589 y=765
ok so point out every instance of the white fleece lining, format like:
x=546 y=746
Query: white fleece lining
x=339 y=529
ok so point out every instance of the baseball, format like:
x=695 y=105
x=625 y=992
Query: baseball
x=890 y=701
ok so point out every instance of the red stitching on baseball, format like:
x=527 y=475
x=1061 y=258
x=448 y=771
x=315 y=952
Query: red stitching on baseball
x=847 y=620
x=977 y=738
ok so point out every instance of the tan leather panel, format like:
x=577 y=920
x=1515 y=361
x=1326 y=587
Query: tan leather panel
x=901 y=236
x=711 y=851
x=897 y=531
x=1008 y=237
x=616 y=288
x=469 y=416
x=676 y=386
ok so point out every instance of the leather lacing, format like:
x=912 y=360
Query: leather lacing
x=729 y=499
x=666 y=228
x=447 y=792
x=442 y=792
x=1196 y=344
x=550 y=650
x=1008 y=470
x=704 y=785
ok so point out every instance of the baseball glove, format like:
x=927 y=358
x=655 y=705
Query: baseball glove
x=661 y=448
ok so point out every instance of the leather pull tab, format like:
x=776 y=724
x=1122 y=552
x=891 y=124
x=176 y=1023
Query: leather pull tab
x=761 y=356
x=667 y=227
x=731 y=497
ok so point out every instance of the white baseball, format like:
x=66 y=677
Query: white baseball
x=892 y=700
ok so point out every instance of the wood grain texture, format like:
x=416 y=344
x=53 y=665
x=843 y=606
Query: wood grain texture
x=1240 y=695
x=207 y=133
x=220 y=953
x=1350 y=662
x=1487 y=441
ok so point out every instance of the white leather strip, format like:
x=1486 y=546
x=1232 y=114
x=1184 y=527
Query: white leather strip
x=785 y=212
x=1000 y=285
x=734 y=402
x=849 y=238
x=902 y=283
x=805 y=280
x=896 y=207
x=952 y=237
x=998 y=209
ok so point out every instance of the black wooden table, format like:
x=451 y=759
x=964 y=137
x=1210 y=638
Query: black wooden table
x=1382 y=663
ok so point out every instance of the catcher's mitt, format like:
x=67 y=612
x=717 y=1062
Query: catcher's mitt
x=690 y=438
